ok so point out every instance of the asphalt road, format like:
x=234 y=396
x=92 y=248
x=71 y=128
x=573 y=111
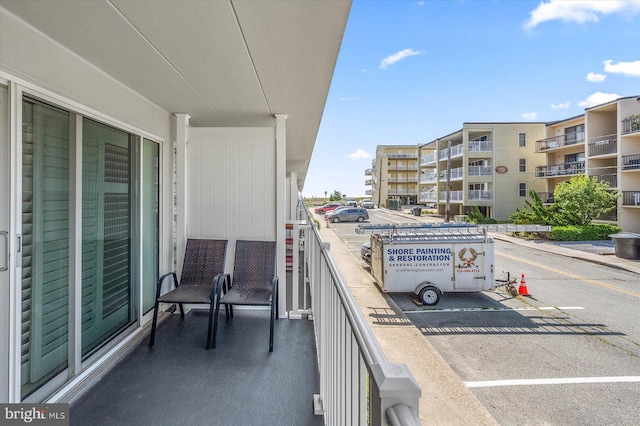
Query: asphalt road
x=567 y=355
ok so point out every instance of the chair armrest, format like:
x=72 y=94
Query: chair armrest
x=274 y=284
x=161 y=279
x=222 y=283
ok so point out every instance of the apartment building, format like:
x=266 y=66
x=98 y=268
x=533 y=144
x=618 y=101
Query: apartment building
x=394 y=175
x=488 y=165
x=603 y=142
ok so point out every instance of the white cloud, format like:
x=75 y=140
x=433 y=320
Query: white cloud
x=349 y=99
x=392 y=59
x=530 y=115
x=596 y=78
x=579 y=11
x=598 y=98
x=564 y=105
x=359 y=154
x=627 y=68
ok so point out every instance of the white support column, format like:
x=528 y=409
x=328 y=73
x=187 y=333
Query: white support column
x=293 y=195
x=182 y=136
x=281 y=209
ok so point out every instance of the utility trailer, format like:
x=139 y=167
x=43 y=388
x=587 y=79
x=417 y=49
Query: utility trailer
x=432 y=259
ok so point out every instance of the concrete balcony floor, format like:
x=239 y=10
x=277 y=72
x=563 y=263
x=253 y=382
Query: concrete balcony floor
x=239 y=382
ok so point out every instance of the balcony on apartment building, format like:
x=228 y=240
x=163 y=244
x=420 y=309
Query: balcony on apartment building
x=479 y=195
x=546 y=197
x=631 y=162
x=402 y=155
x=430 y=177
x=401 y=191
x=610 y=178
x=429 y=158
x=454 y=196
x=562 y=169
x=603 y=145
x=402 y=179
x=480 y=146
x=560 y=141
x=479 y=171
x=312 y=367
x=401 y=167
x=428 y=196
x=456 y=174
x=368 y=192
x=368 y=182
x=631 y=198
x=368 y=171
x=612 y=216
x=631 y=124
x=456 y=151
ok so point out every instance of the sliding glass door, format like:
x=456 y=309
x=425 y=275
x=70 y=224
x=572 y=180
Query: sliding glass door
x=117 y=234
x=45 y=243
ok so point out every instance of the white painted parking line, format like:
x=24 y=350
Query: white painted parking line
x=541 y=308
x=557 y=381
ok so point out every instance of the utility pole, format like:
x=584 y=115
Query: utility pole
x=447 y=209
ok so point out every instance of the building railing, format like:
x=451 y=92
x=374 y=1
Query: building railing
x=612 y=216
x=603 y=145
x=401 y=155
x=412 y=166
x=401 y=191
x=560 y=141
x=453 y=196
x=480 y=146
x=428 y=196
x=631 y=198
x=429 y=158
x=631 y=162
x=480 y=171
x=562 y=169
x=358 y=385
x=457 y=173
x=368 y=182
x=546 y=197
x=368 y=192
x=610 y=178
x=631 y=124
x=429 y=177
x=479 y=195
x=368 y=172
x=402 y=179
x=456 y=151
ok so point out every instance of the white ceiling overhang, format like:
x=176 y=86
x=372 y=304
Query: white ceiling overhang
x=230 y=63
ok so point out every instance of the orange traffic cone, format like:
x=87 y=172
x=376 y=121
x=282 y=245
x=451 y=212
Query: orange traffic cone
x=522 y=289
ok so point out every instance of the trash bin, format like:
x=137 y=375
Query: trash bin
x=417 y=211
x=394 y=204
x=627 y=245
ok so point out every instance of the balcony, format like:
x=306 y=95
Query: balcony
x=412 y=166
x=402 y=179
x=562 y=169
x=612 y=216
x=454 y=196
x=368 y=192
x=631 y=162
x=428 y=159
x=401 y=191
x=560 y=141
x=368 y=182
x=546 y=197
x=603 y=145
x=610 y=178
x=480 y=171
x=428 y=196
x=631 y=198
x=479 y=195
x=334 y=360
x=456 y=151
x=631 y=124
x=368 y=172
x=429 y=177
x=402 y=155
x=480 y=146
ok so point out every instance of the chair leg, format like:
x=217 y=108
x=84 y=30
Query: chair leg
x=181 y=310
x=152 y=338
x=212 y=309
x=215 y=326
x=273 y=314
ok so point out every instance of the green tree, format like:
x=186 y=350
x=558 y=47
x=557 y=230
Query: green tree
x=582 y=199
x=534 y=212
x=336 y=196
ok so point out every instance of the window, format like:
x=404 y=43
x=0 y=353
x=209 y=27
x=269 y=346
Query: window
x=522 y=139
x=522 y=165
x=522 y=189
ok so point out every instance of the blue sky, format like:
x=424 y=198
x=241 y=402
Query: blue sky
x=412 y=71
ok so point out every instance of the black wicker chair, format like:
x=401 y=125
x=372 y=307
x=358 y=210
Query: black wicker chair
x=254 y=282
x=203 y=265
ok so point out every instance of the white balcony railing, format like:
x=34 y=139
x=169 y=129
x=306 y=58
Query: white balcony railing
x=368 y=192
x=479 y=195
x=351 y=364
x=454 y=196
x=429 y=158
x=429 y=177
x=480 y=146
x=480 y=171
x=456 y=151
x=426 y=196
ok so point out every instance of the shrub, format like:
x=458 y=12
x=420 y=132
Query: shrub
x=599 y=231
x=475 y=216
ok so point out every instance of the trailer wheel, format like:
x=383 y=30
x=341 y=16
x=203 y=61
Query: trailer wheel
x=429 y=296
